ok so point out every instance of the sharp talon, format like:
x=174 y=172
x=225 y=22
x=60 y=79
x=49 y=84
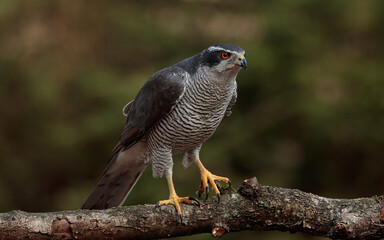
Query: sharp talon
x=229 y=183
x=181 y=218
x=210 y=180
x=195 y=200
x=157 y=205
x=218 y=197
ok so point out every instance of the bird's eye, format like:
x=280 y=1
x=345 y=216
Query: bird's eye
x=224 y=55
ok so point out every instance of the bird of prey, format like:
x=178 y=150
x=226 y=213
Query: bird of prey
x=176 y=111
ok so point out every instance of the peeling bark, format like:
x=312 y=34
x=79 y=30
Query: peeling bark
x=252 y=207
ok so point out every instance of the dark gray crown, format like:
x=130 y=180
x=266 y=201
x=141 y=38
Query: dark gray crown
x=226 y=46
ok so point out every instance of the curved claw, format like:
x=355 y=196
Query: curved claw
x=181 y=218
x=194 y=200
x=207 y=178
x=218 y=198
x=229 y=183
x=157 y=205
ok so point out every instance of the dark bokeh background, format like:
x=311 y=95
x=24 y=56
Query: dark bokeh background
x=310 y=112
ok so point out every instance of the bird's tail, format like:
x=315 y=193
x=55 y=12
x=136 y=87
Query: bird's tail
x=121 y=174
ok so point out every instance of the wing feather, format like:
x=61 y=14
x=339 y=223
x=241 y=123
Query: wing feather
x=155 y=100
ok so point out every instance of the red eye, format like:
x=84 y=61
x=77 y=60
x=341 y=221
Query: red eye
x=224 y=55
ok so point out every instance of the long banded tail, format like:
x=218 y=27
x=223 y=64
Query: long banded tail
x=120 y=176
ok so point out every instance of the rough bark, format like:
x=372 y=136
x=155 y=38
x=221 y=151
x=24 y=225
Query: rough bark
x=252 y=207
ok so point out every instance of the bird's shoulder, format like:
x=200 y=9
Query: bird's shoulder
x=167 y=84
x=173 y=76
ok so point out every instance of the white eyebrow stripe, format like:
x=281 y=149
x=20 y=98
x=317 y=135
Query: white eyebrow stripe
x=213 y=48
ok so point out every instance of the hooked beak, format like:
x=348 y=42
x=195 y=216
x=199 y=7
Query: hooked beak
x=241 y=61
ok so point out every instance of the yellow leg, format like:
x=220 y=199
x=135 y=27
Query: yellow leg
x=208 y=177
x=175 y=200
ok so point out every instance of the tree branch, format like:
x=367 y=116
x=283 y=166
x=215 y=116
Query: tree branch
x=252 y=207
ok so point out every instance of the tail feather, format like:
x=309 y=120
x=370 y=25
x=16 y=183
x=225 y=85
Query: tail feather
x=120 y=176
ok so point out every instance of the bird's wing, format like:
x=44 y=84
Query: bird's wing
x=155 y=100
x=232 y=102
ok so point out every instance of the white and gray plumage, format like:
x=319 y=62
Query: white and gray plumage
x=176 y=111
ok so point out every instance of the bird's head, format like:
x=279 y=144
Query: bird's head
x=223 y=58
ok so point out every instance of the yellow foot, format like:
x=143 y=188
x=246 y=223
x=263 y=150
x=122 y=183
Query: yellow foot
x=175 y=200
x=208 y=177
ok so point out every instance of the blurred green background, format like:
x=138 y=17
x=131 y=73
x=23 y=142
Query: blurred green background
x=310 y=112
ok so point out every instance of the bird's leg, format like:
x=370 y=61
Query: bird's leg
x=175 y=200
x=208 y=178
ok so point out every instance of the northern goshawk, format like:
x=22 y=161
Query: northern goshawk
x=176 y=111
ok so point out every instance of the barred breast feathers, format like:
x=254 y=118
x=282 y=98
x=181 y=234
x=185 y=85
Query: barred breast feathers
x=192 y=120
